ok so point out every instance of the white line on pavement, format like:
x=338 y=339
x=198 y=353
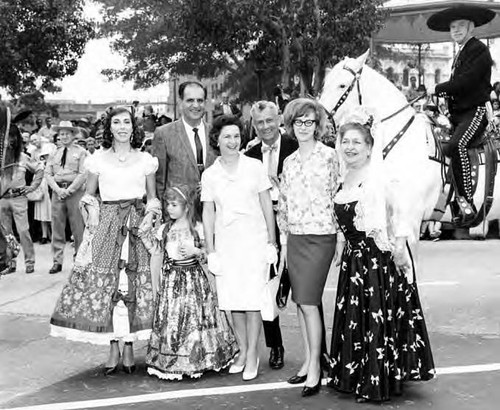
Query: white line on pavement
x=217 y=391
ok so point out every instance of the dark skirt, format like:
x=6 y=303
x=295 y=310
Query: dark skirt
x=309 y=258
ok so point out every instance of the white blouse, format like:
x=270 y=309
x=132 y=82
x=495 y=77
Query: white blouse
x=121 y=179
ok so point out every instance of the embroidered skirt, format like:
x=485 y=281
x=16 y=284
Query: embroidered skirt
x=84 y=311
x=190 y=334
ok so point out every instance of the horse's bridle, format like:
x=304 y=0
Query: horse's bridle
x=355 y=81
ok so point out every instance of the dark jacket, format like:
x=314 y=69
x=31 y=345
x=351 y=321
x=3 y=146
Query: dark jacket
x=288 y=145
x=470 y=83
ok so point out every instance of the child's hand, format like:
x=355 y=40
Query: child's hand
x=188 y=250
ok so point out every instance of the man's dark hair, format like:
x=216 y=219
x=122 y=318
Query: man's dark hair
x=183 y=86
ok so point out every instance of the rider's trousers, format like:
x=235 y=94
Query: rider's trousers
x=468 y=127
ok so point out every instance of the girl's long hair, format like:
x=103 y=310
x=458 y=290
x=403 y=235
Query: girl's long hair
x=188 y=200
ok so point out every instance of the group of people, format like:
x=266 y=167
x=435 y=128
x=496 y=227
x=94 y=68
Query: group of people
x=181 y=243
x=178 y=246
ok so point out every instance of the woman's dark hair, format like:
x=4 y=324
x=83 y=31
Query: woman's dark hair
x=364 y=129
x=187 y=197
x=107 y=137
x=218 y=124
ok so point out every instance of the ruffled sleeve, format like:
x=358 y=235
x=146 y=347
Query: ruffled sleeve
x=150 y=164
x=92 y=164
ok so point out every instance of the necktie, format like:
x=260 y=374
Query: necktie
x=199 y=148
x=271 y=163
x=63 y=158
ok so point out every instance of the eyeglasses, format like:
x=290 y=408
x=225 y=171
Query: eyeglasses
x=307 y=123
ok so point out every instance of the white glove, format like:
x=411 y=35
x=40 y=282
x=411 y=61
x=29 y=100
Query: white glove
x=271 y=254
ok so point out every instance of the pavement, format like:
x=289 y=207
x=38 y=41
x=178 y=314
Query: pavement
x=459 y=283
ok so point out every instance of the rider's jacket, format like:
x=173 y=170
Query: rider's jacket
x=470 y=83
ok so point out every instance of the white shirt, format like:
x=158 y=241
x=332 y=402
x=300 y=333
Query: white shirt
x=121 y=180
x=265 y=160
x=201 y=133
x=226 y=109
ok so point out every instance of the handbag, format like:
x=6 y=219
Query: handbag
x=36 y=195
x=269 y=308
x=283 y=289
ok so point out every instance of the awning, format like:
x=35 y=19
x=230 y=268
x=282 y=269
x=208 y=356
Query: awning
x=407 y=23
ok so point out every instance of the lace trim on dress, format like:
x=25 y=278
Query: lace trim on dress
x=76 y=335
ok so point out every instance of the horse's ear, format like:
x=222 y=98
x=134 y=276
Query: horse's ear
x=361 y=60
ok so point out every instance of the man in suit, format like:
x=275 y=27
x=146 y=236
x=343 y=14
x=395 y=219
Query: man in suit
x=467 y=90
x=272 y=150
x=226 y=107
x=182 y=146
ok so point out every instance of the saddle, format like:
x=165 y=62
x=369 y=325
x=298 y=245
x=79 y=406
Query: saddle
x=483 y=151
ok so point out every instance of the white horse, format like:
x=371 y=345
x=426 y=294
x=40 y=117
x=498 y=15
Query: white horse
x=352 y=83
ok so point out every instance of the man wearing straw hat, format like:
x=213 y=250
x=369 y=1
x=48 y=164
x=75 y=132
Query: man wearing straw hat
x=65 y=174
x=467 y=90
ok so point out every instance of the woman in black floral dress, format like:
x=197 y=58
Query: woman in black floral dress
x=379 y=334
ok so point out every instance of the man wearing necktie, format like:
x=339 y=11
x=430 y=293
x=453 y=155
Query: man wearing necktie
x=65 y=174
x=272 y=151
x=467 y=90
x=182 y=146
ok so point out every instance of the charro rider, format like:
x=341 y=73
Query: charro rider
x=467 y=90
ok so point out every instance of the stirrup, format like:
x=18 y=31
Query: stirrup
x=463 y=212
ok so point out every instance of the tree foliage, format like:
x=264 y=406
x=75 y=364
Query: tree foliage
x=42 y=41
x=276 y=38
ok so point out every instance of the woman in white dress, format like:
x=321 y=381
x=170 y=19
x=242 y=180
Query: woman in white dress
x=110 y=298
x=237 y=212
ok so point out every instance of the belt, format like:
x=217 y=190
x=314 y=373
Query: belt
x=13 y=193
x=64 y=184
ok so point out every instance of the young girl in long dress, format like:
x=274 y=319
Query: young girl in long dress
x=190 y=334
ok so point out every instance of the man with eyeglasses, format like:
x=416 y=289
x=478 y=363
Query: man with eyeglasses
x=272 y=150
x=182 y=146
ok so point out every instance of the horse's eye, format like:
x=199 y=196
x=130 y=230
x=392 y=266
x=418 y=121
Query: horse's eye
x=342 y=86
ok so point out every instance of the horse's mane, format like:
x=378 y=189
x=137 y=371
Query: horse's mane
x=11 y=145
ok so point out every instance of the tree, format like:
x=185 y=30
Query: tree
x=42 y=41
x=281 y=38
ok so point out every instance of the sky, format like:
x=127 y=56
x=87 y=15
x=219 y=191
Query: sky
x=88 y=84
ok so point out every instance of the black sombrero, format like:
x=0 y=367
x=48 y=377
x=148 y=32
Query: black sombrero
x=441 y=20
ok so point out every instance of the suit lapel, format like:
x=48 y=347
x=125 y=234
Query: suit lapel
x=181 y=131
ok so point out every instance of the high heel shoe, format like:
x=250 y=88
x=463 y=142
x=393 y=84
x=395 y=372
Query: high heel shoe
x=110 y=370
x=311 y=391
x=247 y=375
x=128 y=369
x=236 y=369
x=296 y=379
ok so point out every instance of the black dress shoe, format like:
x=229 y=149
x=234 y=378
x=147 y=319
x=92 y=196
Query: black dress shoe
x=43 y=241
x=276 y=358
x=296 y=379
x=311 y=391
x=57 y=267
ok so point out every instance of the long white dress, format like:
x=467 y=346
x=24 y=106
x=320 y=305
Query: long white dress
x=240 y=231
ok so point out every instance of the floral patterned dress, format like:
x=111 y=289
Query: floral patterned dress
x=379 y=335
x=190 y=334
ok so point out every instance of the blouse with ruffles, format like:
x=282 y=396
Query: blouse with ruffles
x=121 y=179
x=307 y=189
